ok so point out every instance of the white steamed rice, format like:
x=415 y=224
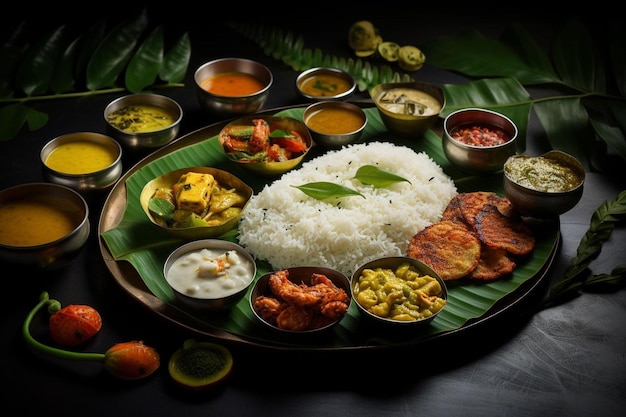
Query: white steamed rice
x=287 y=228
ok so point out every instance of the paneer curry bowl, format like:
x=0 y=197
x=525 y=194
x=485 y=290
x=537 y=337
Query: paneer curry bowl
x=195 y=202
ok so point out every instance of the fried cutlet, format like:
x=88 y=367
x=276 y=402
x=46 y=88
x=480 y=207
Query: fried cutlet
x=448 y=247
x=494 y=263
x=501 y=232
x=470 y=204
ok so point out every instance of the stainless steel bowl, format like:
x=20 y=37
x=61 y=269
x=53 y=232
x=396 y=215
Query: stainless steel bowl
x=334 y=124
x=298 y=275
x=230 y=106
x=536 y=200
x=324 y=83
x=473 y=158
x=407 y=118
x=145 y=139
x=199 y=300
x=392 y=263
x=42 y=253
x=91 y=178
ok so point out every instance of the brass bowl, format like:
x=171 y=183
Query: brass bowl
x=540 y=202
x=167 y=180
x=268 y=168
x=406 y=120
x=474 y=158
x=49 y=251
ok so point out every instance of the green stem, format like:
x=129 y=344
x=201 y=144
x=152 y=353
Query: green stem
x=44 y=300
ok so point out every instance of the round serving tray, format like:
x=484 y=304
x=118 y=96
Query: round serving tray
x=132 y=283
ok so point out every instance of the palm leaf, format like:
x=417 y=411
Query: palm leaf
x=137 y=241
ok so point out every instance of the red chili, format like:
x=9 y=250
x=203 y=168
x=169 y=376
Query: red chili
x=480 y=136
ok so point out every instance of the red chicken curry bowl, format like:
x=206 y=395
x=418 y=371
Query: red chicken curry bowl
x=266 y=145
x=301 y=300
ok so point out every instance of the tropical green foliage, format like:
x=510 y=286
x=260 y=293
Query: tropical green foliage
x=61 y=65
x=580 y=114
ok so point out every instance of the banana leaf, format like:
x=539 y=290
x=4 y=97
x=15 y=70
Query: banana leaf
x=137 y=241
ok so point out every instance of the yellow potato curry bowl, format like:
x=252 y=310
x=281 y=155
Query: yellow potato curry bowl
x=195 y=202
x=398 y=291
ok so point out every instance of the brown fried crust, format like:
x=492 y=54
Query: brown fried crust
x=494 y=263
x=470 y=204
x=502 y=232
x=448 y=247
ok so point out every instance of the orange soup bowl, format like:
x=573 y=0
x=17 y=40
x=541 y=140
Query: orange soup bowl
x=334 y=124
x=229 y=87
x=42 y=225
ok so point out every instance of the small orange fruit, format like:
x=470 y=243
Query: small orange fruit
x=74 y=324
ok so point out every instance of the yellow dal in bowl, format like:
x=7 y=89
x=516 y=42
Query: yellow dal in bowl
x=80 y=157
x=36 y=220
x=140 y=118
x=335 y=120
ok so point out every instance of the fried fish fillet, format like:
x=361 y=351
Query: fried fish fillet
x=470 y=204
x=494 y=263
x=501 y=232
x=448 y=247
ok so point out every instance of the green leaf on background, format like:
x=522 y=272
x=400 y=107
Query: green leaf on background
x=35 y=119
x=519 y=39
x=35 y=70
x=574 y=58
x=63 y=77
x=143 y=68
x=565 y=119
x=371 y=175
x=89 y=43
x=113 y=53
x=324 y=190
x=613 y=135
x=478 y=56
x=617 y=53
x=176 y=61
x=12 y=118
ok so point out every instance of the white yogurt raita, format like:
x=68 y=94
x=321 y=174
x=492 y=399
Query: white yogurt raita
x=209 y=273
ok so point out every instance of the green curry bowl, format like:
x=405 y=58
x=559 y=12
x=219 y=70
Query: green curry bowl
x=543 y=186
x=195 y=202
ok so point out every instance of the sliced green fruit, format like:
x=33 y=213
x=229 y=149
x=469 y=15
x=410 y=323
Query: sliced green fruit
x=389 y=51
x=200 y=365
x=410 y=58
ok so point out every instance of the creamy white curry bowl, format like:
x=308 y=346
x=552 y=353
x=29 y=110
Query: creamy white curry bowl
x=223 y=105
x=406 y=293
x=296 y=275
x=408 y=109
x=44 y=225
x=325 y=83
x=195 y=230
x=334 y=124
x=83 y=161
x=209 y=274
x=264 y=167
x=143 y=120
x=475 y=158
x=545 y=190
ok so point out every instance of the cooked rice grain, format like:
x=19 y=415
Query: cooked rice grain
x=287 y=228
